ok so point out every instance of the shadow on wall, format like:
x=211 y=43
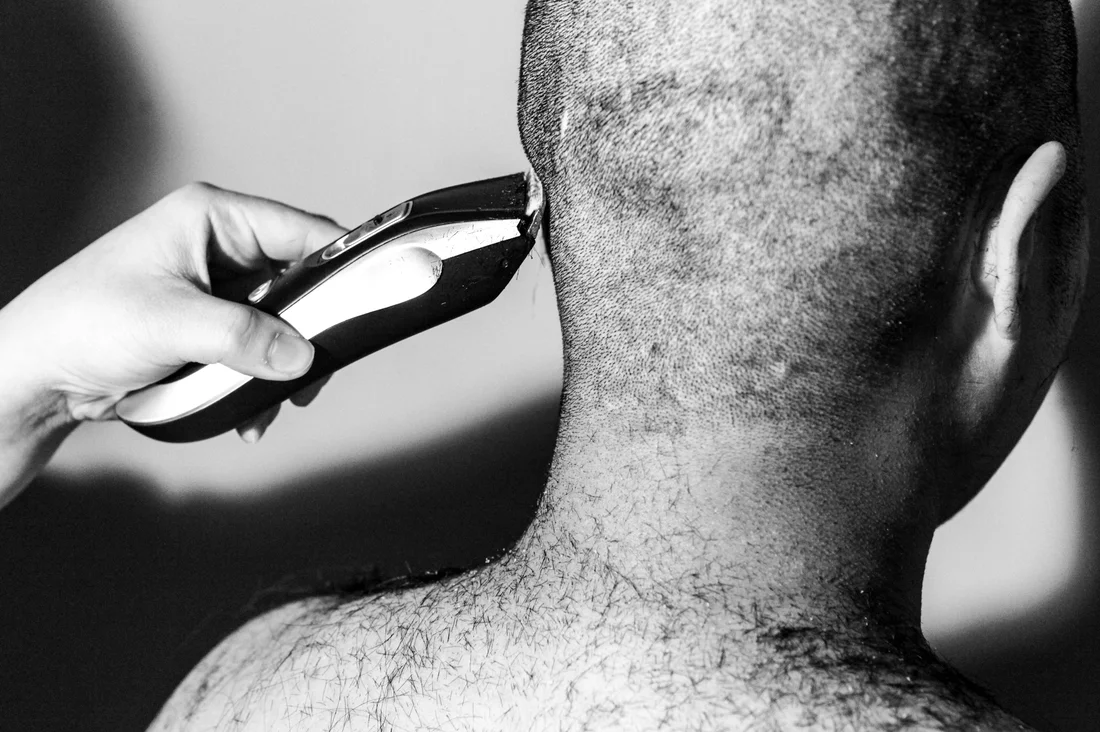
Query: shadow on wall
x=77 y=133
x=1045 y=665
x=111 y=597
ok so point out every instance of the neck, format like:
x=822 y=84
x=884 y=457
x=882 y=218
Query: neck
x=729 y=511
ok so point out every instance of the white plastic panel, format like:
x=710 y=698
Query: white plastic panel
x=378 y=280
x=396 y=272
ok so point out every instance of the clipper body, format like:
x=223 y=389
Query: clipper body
x=415 y=266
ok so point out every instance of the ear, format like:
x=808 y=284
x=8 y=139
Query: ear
x=1001 y=264
x=1007 y=206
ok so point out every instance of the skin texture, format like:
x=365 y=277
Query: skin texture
x=815 y=268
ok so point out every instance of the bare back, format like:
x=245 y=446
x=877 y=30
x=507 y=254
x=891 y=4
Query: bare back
x=497 y=649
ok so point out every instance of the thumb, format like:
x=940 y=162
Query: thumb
x=212 y=330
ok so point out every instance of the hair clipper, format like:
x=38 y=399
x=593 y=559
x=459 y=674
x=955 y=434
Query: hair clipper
x=419 y=264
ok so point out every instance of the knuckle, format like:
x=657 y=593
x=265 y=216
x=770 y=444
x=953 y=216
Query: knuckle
x=194 y=195
x=199 y=189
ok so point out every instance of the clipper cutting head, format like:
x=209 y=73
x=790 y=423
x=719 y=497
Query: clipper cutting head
x=535 y=203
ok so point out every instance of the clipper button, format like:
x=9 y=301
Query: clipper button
x=366 y=230
x=332 y=250
x=259 y=293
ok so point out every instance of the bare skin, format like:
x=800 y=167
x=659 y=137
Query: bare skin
x=637 y=600
x=569 y=632
x=696 y=563
x=683 y=572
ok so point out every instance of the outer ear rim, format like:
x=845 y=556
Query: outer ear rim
x=1003 y=260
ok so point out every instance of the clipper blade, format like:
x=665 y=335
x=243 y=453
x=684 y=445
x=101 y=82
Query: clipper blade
x=535 y=204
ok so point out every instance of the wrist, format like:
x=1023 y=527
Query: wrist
x=34 y=415
x=33 y=423
x=30 y=408
x=29 y=411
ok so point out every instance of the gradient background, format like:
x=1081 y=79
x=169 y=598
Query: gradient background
x=129 y=559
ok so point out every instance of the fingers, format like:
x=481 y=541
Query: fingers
x=210 y=330
x=252 y=430
x=248 y=231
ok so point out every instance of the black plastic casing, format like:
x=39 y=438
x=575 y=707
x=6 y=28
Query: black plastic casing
x=467 y=282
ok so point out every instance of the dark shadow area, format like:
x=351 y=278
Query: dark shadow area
x=76 y=134
x=111 y=596
x=1045 y=665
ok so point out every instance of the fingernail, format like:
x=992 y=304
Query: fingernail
x=289 y=354
x=250 y=435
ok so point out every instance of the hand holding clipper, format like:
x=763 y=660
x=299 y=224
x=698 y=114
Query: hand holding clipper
x=417 y=265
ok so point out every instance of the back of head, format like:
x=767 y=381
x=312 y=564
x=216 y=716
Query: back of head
x=757 y=205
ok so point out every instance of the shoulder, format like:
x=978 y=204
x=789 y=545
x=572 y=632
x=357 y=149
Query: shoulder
x=296 y=667
x=475 y=653
x=406 y=658
x=458 y=654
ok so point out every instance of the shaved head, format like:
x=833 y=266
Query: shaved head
x=765 y=199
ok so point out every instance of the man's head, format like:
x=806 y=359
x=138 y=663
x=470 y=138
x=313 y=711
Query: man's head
x=837 y=221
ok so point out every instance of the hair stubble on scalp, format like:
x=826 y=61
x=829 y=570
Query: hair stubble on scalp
x=764 y=199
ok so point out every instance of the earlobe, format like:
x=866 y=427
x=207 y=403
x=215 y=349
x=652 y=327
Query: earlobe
x=1000 y=268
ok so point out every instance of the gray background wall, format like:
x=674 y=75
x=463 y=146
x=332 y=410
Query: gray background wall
x=129 y=559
